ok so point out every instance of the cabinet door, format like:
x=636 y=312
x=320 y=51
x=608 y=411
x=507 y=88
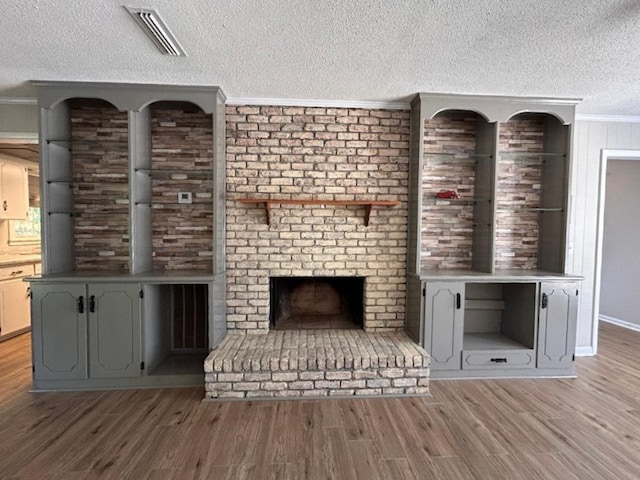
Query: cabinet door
x=114 y=330
x=14 y=191
x=15 y=312
x=557 y=325
x=443 y=318
x=59 y=331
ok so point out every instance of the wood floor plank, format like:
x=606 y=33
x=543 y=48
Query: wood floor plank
x=338 y=459
x=388 y=438
x=396 y=469
x=569 y=429
x=363 y=459
x=452 y=468
x=425 y=428
x=281 y=446
x=356 y=419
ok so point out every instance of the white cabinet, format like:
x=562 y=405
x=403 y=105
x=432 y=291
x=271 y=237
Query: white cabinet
x=15 y=316
x=14 y=191
x=14 y=307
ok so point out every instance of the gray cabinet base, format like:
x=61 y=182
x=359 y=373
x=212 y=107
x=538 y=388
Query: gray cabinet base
x=158 y=381
x=515 y=373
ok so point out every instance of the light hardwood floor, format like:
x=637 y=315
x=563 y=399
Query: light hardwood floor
x=586 y=428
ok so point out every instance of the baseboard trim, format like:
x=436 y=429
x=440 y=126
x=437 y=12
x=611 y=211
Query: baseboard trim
x=584 y=352
x=620 y=323
x=19 y=137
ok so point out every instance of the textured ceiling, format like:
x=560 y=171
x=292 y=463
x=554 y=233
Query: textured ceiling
x=356 y=50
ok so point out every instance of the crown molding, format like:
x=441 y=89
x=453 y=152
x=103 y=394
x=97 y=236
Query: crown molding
x=298 y=102
x=18 y=101
x=582 y=117
x=503 y=98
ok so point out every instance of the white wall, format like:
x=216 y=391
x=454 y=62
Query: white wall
x=18 y=120
x=590 y=138
x=619 y=297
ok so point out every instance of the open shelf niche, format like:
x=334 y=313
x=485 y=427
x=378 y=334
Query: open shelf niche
x=174 y=189
x=499 y=316
x=116 y=159
x=456 y=233
x=507 y=173
x=531 y=198
x=85 y=186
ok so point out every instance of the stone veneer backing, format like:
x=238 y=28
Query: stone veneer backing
x=316 y=153
x=519 y=181
x=99 y=151
x=182 y=140
x=447 y=227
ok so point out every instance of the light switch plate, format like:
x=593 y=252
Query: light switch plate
x=184 y=197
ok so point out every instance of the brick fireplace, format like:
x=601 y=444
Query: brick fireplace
x=324 y=257
x=316 y=153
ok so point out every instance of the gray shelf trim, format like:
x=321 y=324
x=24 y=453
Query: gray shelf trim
x=103 y=276
x=533 y=209
x=453 y=202
x=128 y=96
x=496 y=108
x=505 y=154
x=157 y=172
x=499 y=276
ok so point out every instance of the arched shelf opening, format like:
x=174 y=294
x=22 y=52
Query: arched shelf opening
x=457 y=189
x=532 y=172
x=173 y=177
x=448 y=111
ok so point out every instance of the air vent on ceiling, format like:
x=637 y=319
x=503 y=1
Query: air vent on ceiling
x=150 y=21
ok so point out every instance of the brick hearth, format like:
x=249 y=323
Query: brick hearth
x=316 y=363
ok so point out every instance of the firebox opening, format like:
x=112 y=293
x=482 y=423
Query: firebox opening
x=316 y=302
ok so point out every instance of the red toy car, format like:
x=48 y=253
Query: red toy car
x=447 y=194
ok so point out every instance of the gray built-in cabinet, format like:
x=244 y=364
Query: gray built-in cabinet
x=133 y=217
x=488 y=293
x=86 y=330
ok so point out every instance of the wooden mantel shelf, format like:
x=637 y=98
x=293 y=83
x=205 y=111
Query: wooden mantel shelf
x=368 y=204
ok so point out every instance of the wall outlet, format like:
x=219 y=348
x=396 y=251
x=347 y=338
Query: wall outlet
x=184 y=197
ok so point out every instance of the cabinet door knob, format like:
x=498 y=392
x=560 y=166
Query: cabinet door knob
x=80 y=304
x=5 y=205
x=92 y=303
x=458 y=301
